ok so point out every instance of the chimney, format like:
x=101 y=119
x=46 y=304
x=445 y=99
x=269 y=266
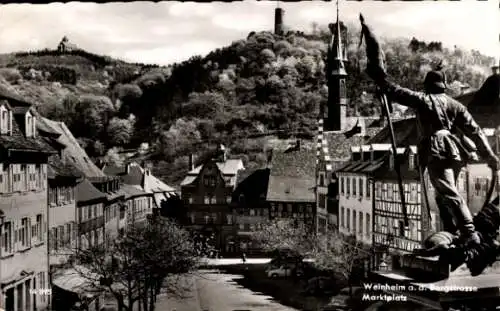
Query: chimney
x=127 y=169
x=223 y=152
x=278 y=21
x=191 y=162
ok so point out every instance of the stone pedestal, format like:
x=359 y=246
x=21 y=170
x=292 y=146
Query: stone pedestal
x=429 y=268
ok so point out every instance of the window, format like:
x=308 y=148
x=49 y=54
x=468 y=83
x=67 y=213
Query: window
x=342 y=185
x=207 y=200
x=348 y=184
x=73 y=232
x=23 y=232
x=368 y=188
x=29 y=119
x=207 y=219
x=361 y=224
x=24 y=177
x=229 y=219
x=228 y=199
x=354 y=186
x=80 y=214
x=4 y=178
x=242 y=226
x=16 y=177
x=7 y=238
x=411 y=162
x=89 y=212
x=252 y=212
x=361 y=187
x=60 y=236
x=212 y=200
x=401 y=228
x=348 y=220
x=354 y=222
x=5 y=120
x=342 y=215
x=67 y=240
x=53 y=239
x=321 y=179
x=38 y=228
x=368 y=225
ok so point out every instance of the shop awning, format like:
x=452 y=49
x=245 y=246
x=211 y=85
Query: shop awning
x=77 y=280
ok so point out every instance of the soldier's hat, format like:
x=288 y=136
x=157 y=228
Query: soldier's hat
x=435 y=78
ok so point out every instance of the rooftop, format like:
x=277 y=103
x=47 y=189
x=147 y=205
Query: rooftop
x=73 y=153
x=86 y=191
x=229 y=169
x=292 y=176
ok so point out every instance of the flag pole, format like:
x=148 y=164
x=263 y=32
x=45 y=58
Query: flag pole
x=386 y=111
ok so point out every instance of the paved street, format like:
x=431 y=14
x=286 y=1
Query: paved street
x=214 y=291
x=235 y=261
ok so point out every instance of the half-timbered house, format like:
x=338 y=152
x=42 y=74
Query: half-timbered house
x=206 y=192
x=250 y=210
x=291 y=188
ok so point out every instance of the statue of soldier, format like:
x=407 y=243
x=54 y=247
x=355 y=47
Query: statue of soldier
x=443 y=150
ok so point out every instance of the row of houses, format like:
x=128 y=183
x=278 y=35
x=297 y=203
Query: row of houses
x=54 y=199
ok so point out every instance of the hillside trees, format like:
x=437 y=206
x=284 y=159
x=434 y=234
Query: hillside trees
x=258 y=84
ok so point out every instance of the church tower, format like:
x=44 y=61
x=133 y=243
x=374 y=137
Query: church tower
x=335 y=112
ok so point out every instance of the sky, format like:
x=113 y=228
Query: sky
x=166 y=32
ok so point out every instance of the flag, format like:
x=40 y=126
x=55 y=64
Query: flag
x=374 y=54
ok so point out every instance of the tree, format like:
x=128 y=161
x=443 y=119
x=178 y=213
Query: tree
x=341 y=255
x=286 y=235
x=119 y=131
x=113 y=157
x=92 y=114
x=136 y=266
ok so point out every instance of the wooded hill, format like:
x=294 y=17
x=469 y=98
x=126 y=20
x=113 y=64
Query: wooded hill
x=255 y=85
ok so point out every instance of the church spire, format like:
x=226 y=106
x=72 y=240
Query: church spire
x=334 y=112
x=337 y=45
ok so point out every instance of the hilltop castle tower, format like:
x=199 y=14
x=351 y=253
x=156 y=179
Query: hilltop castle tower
x=335 y=112
x=278 y=20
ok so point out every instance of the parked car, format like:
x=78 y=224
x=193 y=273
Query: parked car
x=285 y=270
x=343 y=301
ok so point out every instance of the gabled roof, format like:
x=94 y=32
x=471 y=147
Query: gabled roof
x=405 y=132
x=254 y=184
x=153 y=184
x=19 y=142
x=86 y=191
x=138 y=176
x=73 y=153
x=484 y=104
x=131 y=191
x=58 y=168
x=339 y=143
x=292 y=176
x=229 y=169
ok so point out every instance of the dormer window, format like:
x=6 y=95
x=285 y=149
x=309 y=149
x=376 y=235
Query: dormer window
x=30 y=125
x=5 y=120
x=411 y=162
